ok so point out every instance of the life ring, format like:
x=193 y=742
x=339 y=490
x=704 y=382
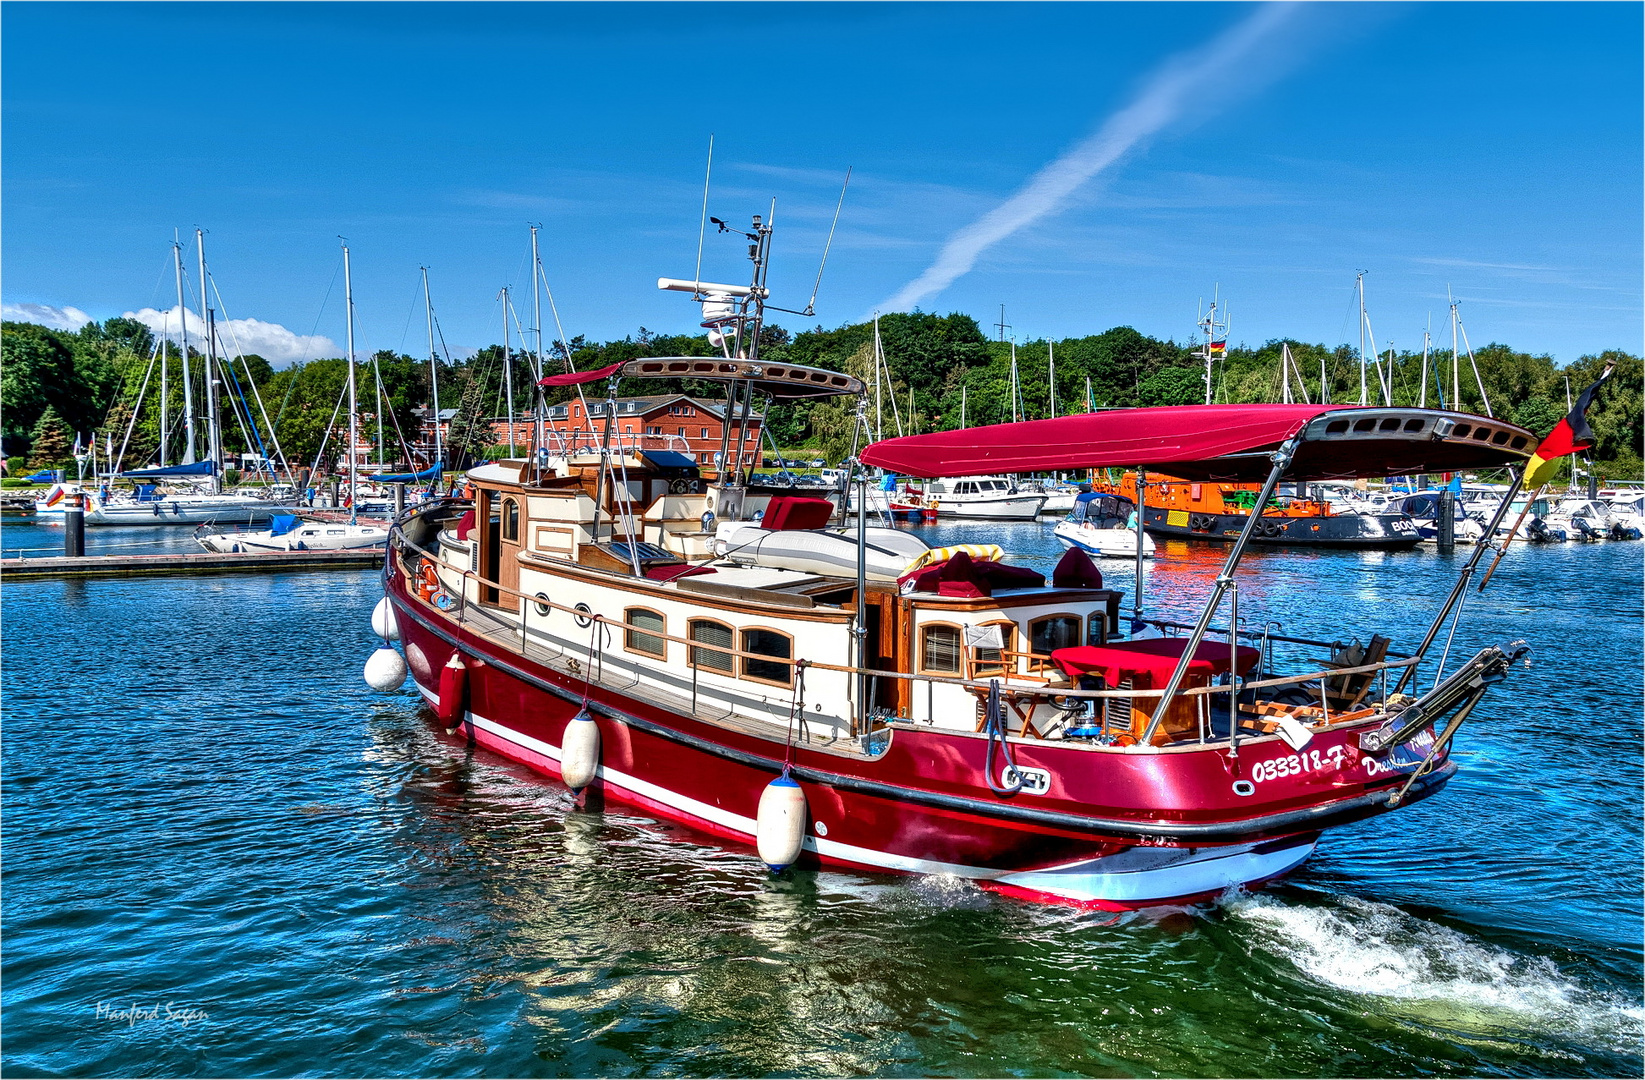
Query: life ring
x=428 y=582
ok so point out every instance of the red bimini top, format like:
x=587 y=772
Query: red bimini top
x=1219 y=443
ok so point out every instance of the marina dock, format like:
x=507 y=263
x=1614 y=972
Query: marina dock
x=174 y=563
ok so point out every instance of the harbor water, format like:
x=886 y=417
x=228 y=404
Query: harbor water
x=224 y=855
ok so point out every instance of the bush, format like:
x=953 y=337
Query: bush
x=14 y=482
x=231 y=477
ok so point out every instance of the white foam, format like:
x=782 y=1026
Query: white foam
x=1434 y=974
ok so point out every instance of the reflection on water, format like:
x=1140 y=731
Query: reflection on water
x=216 y=813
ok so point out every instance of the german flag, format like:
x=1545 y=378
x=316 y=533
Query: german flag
x=1219 y=348
x=1569 y=435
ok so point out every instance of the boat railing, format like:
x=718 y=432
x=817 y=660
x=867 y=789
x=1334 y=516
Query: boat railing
x=1019 y=685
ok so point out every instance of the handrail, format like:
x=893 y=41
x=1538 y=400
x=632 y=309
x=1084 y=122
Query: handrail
x=1257 y=635
x=976 y=684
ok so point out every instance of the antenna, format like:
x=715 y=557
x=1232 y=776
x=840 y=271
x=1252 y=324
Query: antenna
x=702 y=225
x=811 y=305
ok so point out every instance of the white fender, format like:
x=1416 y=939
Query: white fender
x=383 y=622
x=580 y=751
x=385 y=669
x=779 y=825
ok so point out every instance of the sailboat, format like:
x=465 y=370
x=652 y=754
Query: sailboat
x=148 y=505
x=289 y=532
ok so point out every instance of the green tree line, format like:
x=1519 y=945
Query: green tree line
x=56 y=385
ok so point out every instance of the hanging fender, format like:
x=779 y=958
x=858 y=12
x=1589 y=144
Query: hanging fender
x=452 y=702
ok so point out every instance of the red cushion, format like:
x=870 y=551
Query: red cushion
x=674 y=571
x=1004 y=576
x=1076 y=571
x=464 y=525
x=971 y=590
x=796 y=512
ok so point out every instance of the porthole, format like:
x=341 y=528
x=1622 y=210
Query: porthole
x=585 y=616
x=1244 y=788
x=542 y=604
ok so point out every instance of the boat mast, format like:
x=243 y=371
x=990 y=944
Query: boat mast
x=537 y=317
x=1212 y=327
x=353 y=409
x=1422 y=398
x=165 y=325
x=188 y=386
x=962 y=405
x=1016 y=388
x=213 y=436
x=434 y=369
x=1052 y=346
x=879 y=411
x=1456 y=369
x=1359 y=282
x=508 y=361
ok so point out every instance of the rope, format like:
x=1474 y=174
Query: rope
x=995 y=729
x=796 y=709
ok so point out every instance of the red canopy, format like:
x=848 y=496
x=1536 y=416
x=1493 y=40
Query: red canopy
x=572 y=377
x=1218 y=442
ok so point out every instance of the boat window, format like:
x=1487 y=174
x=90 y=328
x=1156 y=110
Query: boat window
x=511 y=519
x=1096 y=628
x=716 y=634
x=642 y=635
x=1053 y=632
x=768 y=643
x=940 y=649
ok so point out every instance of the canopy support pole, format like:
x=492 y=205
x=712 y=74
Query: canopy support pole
x=1282 y=460
x=1136 y=596
x=1487 y=543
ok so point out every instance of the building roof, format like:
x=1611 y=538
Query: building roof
x=645 y=404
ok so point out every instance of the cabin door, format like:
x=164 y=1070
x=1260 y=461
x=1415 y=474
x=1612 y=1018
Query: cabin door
x=490 y=541
x=881 y=647
x=511 y=524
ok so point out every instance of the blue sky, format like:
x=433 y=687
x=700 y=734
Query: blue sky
x=1491 y=148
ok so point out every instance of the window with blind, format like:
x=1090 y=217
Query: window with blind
x=940 y=650
x=712 y=633
x=642 y=635
x=511 y=519
x=1054 y=632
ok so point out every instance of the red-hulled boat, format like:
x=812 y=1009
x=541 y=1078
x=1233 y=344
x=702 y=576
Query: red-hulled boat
x=845 y=697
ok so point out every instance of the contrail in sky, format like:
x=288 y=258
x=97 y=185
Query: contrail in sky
x=1163 y=99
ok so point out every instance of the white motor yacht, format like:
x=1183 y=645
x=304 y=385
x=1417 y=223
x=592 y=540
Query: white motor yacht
x=1103 y=525
x=991 y=497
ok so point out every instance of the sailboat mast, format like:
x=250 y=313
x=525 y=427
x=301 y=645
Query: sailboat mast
x=188 y=385
x=1285 y=373
x=165 y=389
x=1359 y=281
x=1052 y=346
x=214 y=437
x=962 y=405
x=508 y=368
x=1422 y=399
x=1016 y=388
x=353 y=405
x=434 y=370
x=879 y=369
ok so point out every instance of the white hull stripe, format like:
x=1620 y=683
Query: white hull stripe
x=1197 y=871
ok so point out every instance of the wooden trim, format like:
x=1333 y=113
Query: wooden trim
x=744 y=661
x=925 y=602
x=919 y=649
x=630 y=630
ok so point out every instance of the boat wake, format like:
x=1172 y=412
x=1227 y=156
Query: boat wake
x=1438 y=977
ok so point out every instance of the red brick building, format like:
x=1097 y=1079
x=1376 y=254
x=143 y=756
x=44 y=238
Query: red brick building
x=679 y=422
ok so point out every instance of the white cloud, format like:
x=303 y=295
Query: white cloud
x=271 y=341
x=58 y=318
x=1182 y=83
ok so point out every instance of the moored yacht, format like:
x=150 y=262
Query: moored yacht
x=991 y=497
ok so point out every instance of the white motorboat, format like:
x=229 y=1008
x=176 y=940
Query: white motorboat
x=991 y=497
x=1628 y=515
x=1582 y=518
x=288 y=532
x=1103 y=525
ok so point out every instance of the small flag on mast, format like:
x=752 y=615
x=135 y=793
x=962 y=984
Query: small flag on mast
x=1219 y=349
x=1569 y=436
